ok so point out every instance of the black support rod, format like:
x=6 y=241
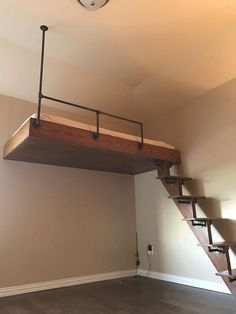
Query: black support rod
x=41 y=96
x=43 y=28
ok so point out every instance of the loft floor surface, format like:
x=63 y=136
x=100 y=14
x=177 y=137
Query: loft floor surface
x=132 y=295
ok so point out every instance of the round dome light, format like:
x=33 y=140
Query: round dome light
x=93 y=4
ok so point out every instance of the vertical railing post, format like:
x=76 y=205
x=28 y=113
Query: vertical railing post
x=141 y=144
x=97 y=133
x=43 y=28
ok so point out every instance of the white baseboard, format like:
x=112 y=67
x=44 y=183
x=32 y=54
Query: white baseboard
x=202 y=284
x=61 y=283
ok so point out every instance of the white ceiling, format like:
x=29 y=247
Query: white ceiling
x=167 y=51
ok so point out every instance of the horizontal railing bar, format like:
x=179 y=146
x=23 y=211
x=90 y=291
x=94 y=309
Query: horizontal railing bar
x=118 y=117
x=90 y=109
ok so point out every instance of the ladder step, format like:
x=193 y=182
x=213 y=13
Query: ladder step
x=203 y=219
x=186 y=199
x=174 y=179
x=203 y=222
x=218 y=244
x=228 y=274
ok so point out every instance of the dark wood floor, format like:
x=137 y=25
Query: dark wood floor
x=132 y=295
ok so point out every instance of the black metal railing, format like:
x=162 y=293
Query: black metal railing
x=98 y=113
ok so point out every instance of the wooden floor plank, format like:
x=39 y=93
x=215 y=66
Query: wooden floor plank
x=123 y=296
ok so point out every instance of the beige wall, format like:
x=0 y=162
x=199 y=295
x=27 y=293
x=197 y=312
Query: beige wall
x=20 y=78
x=205 y=132
x=60 y=222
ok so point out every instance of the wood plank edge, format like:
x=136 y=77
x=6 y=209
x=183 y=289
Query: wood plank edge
x=17 y=139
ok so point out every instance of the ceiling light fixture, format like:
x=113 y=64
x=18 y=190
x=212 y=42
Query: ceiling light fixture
x=93 y=5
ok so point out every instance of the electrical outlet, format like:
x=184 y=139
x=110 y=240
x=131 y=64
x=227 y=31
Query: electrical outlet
x=150 y=250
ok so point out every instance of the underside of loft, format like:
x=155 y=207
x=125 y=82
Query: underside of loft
x=62 y=145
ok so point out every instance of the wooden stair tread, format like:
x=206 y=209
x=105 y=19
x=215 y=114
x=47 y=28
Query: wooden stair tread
x=203 y=219
x=174 y=178
x=186 y=197
x=218 y=244
x=226 y=273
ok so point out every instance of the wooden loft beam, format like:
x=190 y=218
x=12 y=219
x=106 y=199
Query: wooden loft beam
x=56 y=144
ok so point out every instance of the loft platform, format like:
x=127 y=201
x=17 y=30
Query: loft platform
x=63 y=142
x=57 y=141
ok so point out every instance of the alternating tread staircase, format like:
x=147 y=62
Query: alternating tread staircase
x=218 y=252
